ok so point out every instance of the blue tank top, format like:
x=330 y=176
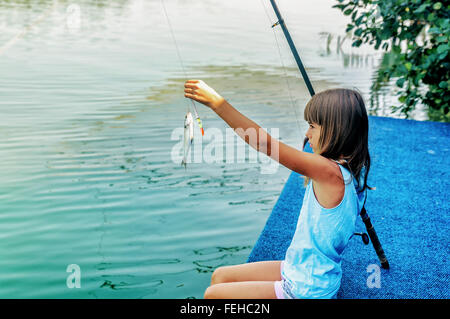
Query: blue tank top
x=312 y=266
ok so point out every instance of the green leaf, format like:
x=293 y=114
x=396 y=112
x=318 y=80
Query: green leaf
x=348 y=11
x=340 y=6
x=437 y=6
x=408 y=66
x=396 y=49
x=359 y=20
x=385 y=34
x=357 y=43
x=431 y=17
x=400 y=82
x=443 y=55
x=442 y=38
x=422 y=8
x=434 y=30
x=358 y=32
x=377 y=45
x=442 y=48
x=443 y=84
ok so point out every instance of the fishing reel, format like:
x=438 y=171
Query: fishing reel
x=364 y=237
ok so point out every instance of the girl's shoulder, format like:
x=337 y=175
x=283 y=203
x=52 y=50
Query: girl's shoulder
x=340 y=173
x=330 y=193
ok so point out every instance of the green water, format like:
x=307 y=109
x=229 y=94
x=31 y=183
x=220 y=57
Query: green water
x=87 y=111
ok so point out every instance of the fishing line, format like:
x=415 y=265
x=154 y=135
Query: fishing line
x=282 y=64
x=199 y=121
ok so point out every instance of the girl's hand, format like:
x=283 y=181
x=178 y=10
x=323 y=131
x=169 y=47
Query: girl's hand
x=199 y=91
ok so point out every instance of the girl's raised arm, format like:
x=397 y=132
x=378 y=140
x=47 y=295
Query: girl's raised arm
x=313 y=166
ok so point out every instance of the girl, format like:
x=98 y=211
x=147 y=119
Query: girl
x=336 y=179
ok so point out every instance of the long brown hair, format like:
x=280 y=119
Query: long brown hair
x=345 y=129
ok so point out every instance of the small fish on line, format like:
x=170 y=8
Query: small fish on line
x=188 y=136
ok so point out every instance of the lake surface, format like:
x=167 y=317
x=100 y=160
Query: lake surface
x=91 y=107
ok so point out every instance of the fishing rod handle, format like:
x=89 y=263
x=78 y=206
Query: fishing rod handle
x=374 y=238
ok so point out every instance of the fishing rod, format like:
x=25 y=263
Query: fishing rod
x=364 y=216
x=292 y=46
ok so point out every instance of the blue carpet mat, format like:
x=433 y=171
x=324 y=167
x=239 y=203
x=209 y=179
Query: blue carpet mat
x=409 y=210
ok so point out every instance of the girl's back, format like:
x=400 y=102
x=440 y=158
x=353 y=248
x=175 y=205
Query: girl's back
x=312 y=266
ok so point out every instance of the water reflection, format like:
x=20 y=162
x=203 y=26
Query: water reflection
x=87 y=113
x=219 y=258
x=119 y=16
x=334 y=47
x=382 y=99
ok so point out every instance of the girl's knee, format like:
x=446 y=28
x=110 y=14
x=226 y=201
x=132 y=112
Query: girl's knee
x=212 y=292
x=224 y=274
x=218 y=276
x=208 y=293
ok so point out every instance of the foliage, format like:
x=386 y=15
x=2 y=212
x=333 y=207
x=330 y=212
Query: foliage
x=417 y=33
